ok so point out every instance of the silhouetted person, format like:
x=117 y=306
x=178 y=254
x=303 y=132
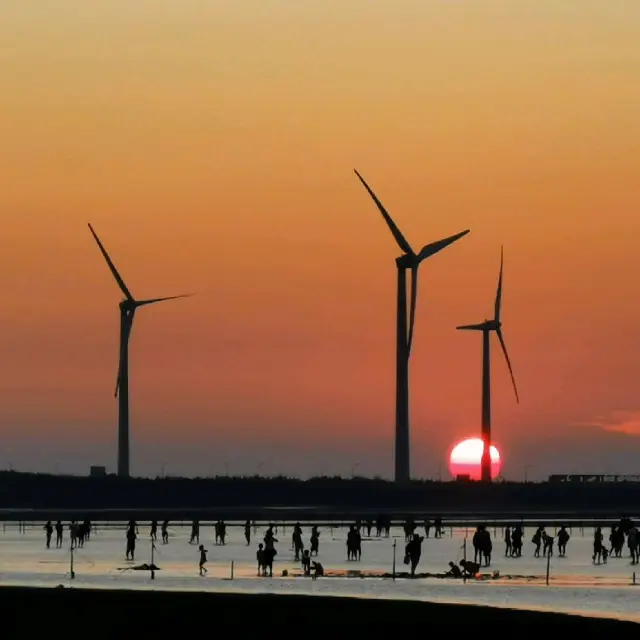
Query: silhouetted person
x=439 y=530
x=247 y=532
x=221 y=532
x=195 y=532
x=427 y=528
x=616 y=540
x=486 y=546
x=454 y=571
x=369 y=527
x=269 y=553
x=48 y=531
x=414 y=551
x=469 y=569
x=164 y=532
x=537 y=541
x=131 y=541
x=306 y=563
x=563 y=539
x=318 y=570
x=517 y=534
x=547 y=545
x=409 y=530
x=73 y=534
x=508 y=546
x=350 y=543
x=59 y=534
x=315 y=540
x=84 y=531
x=296 y=539
x=625 y=525
x=203 y=560
x=260 y=560
x=634 y=545
x=354 y=544
x=477 y=544
x=597 y=545
x=153 y=531
x=482 y=545
x=269 y=534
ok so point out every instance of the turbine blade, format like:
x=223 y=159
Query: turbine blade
x=429 y=249
x=112 y=266
x=141 y=303
x=471 y=327
x=412 y=307
x=506 y=357
x=399 y=238
x=498 y=305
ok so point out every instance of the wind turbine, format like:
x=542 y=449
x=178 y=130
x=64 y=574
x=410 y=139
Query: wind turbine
x=409 y=260
x=487 y=327
x=128 y=308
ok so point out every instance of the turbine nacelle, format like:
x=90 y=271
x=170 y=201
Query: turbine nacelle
x=128 y=305
x=496 y=325
x=409 y=259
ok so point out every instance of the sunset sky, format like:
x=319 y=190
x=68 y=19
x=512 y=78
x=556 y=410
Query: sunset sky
x=212 y=146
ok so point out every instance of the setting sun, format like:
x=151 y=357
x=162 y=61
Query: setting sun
x=466 y=456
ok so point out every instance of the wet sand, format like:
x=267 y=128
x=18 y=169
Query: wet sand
x=102 y=613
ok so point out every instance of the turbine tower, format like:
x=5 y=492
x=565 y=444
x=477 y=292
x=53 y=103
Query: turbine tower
x=487 y=327
x=128 y=308
x=409 y=260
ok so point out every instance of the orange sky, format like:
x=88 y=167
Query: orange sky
x=212 y=144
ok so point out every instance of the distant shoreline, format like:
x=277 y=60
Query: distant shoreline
x=281 y=498
x=109 y=612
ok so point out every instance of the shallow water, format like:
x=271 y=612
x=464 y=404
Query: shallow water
x=576 y=584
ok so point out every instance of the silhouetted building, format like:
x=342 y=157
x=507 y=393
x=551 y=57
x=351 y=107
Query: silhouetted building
x=590 y=477
x=97 y=471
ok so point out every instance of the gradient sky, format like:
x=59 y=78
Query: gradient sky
x=212 y=144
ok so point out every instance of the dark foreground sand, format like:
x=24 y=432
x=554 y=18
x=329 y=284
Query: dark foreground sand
x=93 y=613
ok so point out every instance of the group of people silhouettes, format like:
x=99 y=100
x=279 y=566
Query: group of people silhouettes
x=78 y=533
x=623 y=532
x=482 y=545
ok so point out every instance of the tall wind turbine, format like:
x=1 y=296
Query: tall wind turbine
x=487 y=327
x=409 y=260
x=128 y=308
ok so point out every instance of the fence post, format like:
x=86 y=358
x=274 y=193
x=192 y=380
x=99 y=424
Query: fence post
x=72 y=572
x=153 y=548
x=232 y=566
x=548 y=566
x=393 y=572
x=464 y=557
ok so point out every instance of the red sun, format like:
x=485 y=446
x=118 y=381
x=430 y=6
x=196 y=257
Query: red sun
x=466 y=457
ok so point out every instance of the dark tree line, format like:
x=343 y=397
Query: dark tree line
x=41 y=491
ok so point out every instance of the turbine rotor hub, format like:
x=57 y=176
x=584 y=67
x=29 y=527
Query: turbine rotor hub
x=406 y=261
x=127 y=305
